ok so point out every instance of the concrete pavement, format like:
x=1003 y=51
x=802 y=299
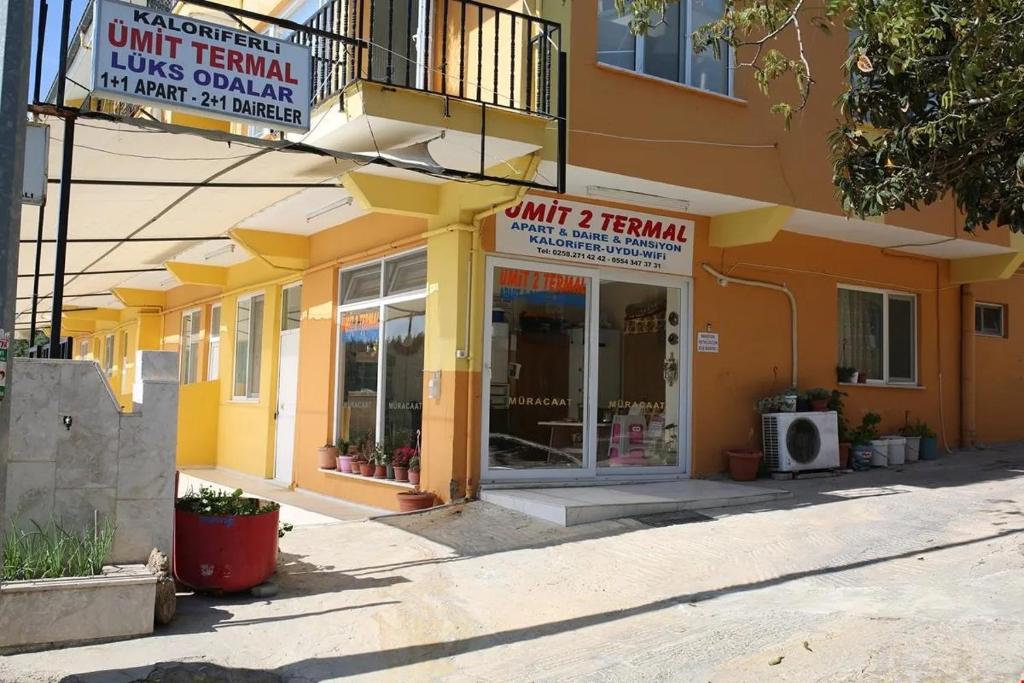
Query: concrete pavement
x=912 y=575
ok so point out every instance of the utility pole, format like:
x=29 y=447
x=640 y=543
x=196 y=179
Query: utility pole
x=15 y=51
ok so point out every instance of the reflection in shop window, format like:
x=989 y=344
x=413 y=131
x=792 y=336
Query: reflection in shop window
x=360 y=342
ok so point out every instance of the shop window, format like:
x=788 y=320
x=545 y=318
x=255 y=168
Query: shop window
x=248 y=346
x=189 y=369
x=381 y=385
x=108 y=355
x=291 y=308
x=990 y=320
x=666 y=51
x=213 y=350
x=878 y=334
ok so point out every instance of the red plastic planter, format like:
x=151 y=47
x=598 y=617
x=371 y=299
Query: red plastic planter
x=224 y=552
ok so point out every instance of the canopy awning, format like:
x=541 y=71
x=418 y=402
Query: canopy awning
x=189 y=187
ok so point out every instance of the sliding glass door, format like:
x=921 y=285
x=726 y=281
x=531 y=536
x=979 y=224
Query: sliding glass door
x=585 y=373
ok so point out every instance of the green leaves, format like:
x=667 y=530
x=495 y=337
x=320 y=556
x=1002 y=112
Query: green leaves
x=51 y=551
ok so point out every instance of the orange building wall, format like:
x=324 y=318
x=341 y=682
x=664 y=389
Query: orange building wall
x=1000 y=365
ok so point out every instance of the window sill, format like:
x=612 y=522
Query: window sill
x=731 y=99
x=245 y=401
x=883 y=385
x=359 y=477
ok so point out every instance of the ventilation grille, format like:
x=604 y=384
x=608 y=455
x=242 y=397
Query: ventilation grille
x=770 y=439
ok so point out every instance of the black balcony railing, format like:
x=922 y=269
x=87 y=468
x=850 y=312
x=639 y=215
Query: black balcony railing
x=459 y=48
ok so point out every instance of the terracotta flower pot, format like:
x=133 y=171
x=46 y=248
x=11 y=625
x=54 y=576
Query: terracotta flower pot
x=819 y=405
x=401 y=473
x=366 y=468
x=408 y=501
x=380 y=472
x=345 y=463
x=743 y=464
x=862 y=378
x=414 y=476
x=844 y=455
x=328 y=456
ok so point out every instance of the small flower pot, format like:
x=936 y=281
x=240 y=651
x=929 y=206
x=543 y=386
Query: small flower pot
x=328 y=457
x=844 y=455
x=391 y=472
x=366 y=468
x=414 y=476
x=410 y=501
x=929 y=449
x=743 y=464
x=345 y=463
x=380 y=472
x=401 y=473
x=862 y=378
x=819 y=405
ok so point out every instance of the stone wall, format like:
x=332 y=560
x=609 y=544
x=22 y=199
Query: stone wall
x=103 y=463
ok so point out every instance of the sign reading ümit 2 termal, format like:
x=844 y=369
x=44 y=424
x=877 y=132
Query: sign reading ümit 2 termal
x=175 y=62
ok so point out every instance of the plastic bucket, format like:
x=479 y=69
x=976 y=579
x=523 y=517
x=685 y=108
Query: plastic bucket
x=880 y=453
x=861 y=458
x=913 y=448
x=897 y=450
x=929 y=448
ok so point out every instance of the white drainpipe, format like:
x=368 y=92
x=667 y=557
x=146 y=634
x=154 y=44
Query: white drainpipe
x=723 y=280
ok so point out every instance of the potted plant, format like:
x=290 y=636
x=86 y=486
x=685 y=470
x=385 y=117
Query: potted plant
x=328 y=456
x=225 y=541
x=835 y=403
x=414 y=470
x=865 y=438
x=743 y=463
x=410 y=501
x=400 y=461
x=819 y=399
x=862 y=377
x=366 y=467
x=779 y=403
x=845 y=374
x=928 y=442
x=379 y=458
x=344 y=456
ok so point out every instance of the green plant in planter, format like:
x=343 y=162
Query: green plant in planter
x=835 y=403
x=414 y=463
x=844 y=373
x=343 y=445
x=217 y=502
x=51 y=551
x=918 y=428
x=867 y=431
x=818 y=394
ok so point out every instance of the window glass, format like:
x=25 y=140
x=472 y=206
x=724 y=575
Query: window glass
x=360 y=284
x=615 y=44
x=405 y=274
x=108 y=354
x=248 y=347
x=291 y=309
x=988 y=319
x=706 y=72
x=902 y=335
x=124 y=362
x=860 y=331
x=663 y=46
x=190 y=347
x=213 y=354
x=404 y=334
x=360 y=342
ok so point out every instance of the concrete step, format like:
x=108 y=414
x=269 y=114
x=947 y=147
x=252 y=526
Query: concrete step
x=571 y=505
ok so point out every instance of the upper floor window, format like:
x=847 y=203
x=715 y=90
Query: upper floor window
x=667 y=49
x=248 y=346
x=878 y=334
x=990 y=320
x=190 y=347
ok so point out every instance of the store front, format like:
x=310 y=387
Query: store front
x=586 y=369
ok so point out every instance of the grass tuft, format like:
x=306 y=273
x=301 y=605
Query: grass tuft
x=51 y=551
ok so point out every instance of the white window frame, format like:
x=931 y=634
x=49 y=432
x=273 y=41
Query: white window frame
x=914 y=342
x=380 y=303
x=248 y=397
x=186 y=347
x=686 y=54
x=213 y=345
x=108 y=355
x=284 y=312
x=1002 y=319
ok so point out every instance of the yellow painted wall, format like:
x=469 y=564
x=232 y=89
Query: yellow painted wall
x=198 y=418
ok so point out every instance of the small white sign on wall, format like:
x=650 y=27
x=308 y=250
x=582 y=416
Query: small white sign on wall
x=707 y=342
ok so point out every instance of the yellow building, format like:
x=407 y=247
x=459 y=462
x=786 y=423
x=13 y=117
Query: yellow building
x=417 y=280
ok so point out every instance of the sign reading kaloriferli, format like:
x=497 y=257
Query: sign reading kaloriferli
x=154 y=58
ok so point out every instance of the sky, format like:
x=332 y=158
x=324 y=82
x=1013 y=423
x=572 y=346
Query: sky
x=50 y=46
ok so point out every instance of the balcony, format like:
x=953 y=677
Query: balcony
x=455 y=48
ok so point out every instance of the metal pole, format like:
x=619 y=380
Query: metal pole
x=62 y=56
x=15 y=56
x=35 y=273
x=62 y=235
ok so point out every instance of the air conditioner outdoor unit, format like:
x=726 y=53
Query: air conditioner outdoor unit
x=794 y=442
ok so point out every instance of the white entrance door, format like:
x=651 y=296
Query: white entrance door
x=287 y=390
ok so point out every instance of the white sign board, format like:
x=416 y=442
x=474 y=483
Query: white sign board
x=707 y=342
x=594 y=235
x=154 y=58
x=37 y=155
